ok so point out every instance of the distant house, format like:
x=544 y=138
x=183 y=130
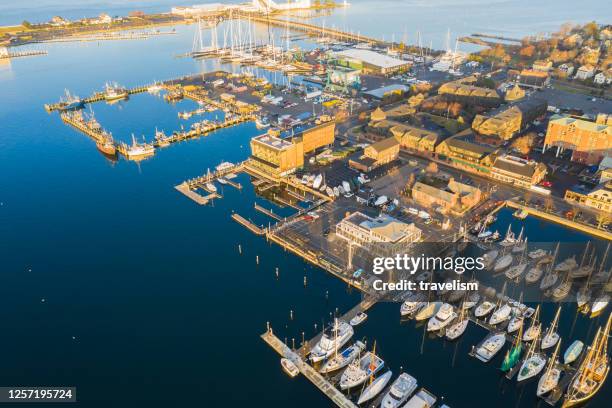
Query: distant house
x=542 y=65
x=58 y=21
x=529 y=78
x=600 y=198
x=565 y=70
x=603 y=78
x=585 y=72
x=377 y=154
x=517 y=171
x=453 y=197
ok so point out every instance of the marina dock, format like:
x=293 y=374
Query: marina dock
x=252 y=227
x=269 y=213
x=310 y=373
x=184 y=189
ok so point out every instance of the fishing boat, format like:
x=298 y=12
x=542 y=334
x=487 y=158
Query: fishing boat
x=502 y=263
x=114 y=92
x=358 y=319
x=550 y=378
x=289 y=367
x=341 y=360
x=567 y=265
x=427 y=311
x=360 y=370
x=137 y=151
x=442 y=318
x=537 y=253
x=536 y=327
x=106 y=144
x=490 y=347
x=484 y=309
x=551 y=337
x=400 y=390
x=375 y=387
x=161 y=139
x=533 y=275
x=533 y=363
x=336 y=336
x=501 y=314
x=513 y=355
x=572 y=352
x=520 y=214
x=592 y=372
x=520 y=246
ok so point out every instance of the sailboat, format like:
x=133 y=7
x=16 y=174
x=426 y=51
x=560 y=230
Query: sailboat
x=521 y=244
x=458 y=328
x=509 y=240
x=585 y=270
x=503 y=311
x=536 y=327
x=567 y=265
x=562 y=290
x=550 y=378
x=592 y=372
x=502 y=263
x=484 y=309
x=533 y=363
x=428 y=311
x=341 y=360
x=600 y=303
x=551 y=337
x=361 y=369
x=517 y=270
x=375 y=387
x=514 y=354
x=518 y=319
x=534 y=274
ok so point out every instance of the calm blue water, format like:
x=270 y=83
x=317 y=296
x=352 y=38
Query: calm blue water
x=115 y=283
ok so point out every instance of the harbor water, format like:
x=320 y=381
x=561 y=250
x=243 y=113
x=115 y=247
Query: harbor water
x=116 y=284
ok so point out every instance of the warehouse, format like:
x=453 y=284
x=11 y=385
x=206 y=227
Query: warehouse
x=371 y=62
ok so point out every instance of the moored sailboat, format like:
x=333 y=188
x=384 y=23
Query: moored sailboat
x=533 y=363
x=550 y=378
x=551 y=337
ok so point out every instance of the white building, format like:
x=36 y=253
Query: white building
x=585 y=72
x=200 y=9
x=269 y=5
x=383 y=234
x=603 y=78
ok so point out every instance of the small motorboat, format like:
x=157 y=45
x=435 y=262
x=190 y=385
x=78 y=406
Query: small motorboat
x=289 y=367
x=358 y=319
x=572 y=352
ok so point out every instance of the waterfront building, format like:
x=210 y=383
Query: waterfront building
x=381 y=235
x=377 y=154
x=529 y=78
x=446 y=197
x=589 y=141
x=386 y=91
x=339 y=75
x=275 y=156
x=599 y=198
x=603 y=78
x=605 y=169
x=318 y=136
x=463 y=151
x=517 y=171
x=415 y=138
x=370 y=62
x=565 y=70
x=462 y=91
x=507 y=122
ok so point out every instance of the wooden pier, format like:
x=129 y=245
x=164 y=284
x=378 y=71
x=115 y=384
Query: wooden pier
x=187 y=191
x=252 y=227
x=310 y=373
x=269 y=213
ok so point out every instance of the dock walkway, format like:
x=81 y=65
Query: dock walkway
x=269 y=213
x=310 y=373
x=252 y=227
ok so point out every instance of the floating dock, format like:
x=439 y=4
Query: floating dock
x=186 y=190
x=252 y=227
x=269 y=213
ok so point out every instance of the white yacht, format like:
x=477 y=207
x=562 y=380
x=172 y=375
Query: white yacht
x=358 y=319
x=516 y=322
x=343 y=359
x=399 y=392
x=484 y=309
x=360 y=370
x=600 y=303
x=211 y=187
x=374 y=388
x=551 y=337
x=490 y=347
x=471 y=301
x=500 y=315
x=457 y=329
x=445 y=315
x=333 y=338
